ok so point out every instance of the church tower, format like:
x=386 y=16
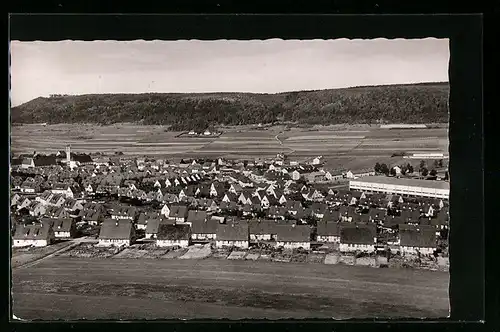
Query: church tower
x=68 y=154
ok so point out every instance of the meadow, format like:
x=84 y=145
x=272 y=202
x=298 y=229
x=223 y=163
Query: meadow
x=354 y=146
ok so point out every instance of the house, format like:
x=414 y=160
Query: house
x=36 y=209
x=319 y=209
x=204 y=229
x=230 y=197
x=116 y=232
x=262 y=230
x=417 y=239
x=234 y=234
x=66 y=190
x=196 y=216
x=173 y=235
x=315 y=177
x=328 y=231
x=91 y=189
x=334 y=175
x=124 y=212
x=276 y=212
x=92 y=217
x=397 y=170
x=178 y=213
x=293 y=236
x=16 y=198
x=36 y=234
x=63 y=228
x=357 y=237
x=153 y=224
x=144 y=218
x=293 y=206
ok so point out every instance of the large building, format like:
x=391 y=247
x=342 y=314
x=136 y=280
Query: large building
x=404 y=187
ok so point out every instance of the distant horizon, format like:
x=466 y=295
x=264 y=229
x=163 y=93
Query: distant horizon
x=229 y=92
x=193 y=66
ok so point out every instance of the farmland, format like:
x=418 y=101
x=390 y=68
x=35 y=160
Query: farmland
x=66 y=288
x=351 y=146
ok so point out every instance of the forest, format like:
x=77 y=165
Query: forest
x=413 y=103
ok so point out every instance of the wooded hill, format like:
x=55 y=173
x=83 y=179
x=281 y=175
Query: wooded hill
x=415 y=103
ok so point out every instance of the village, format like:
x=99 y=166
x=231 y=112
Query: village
x=275 y=209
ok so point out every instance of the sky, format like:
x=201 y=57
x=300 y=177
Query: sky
x=262 y=66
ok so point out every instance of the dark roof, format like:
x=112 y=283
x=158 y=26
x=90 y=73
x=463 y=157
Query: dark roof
x=32 y=231
x=205 y=227
x=236 y=231
x=81 y=158
x=45 y=161
x=293 y=233
x=146 y=217
x=357 y=233
x=173 y=232
x=60 y=225
x=262 y=227
x=421 y=236
x=116 y=229
x=194 y=215
x=328 y=228
x=178 y=211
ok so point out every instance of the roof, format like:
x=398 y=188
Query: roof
x=421 y=236
x=45 y=161
x=32 y=231
x=262 y=226
x=237 y=231
x=173 y=232
x=328 y=228
x=116 y=229
x=405 y=182
x=293 y=233
x=81 y=158
x=196 y=215
x=60 y=225
x=357 y=233
x=205 y=227
x=178 y=211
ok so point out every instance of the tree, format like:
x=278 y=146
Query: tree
x=440 y=163
x=377 y=168
x=425 y=171
x=393 y=171
x=384 y=169
x=410 y=168
x=446 y=176
x=436 y=164
x=433 y=172
x=421 y=165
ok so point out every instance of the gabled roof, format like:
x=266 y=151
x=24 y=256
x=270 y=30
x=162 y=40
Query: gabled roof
x=328 y=228
x=357 y=233
x=116 y=229
x=37 y=231
x=60 y=225
x=194 y=216
x=417 y=236
x=204 y=227
x=173 y=232
x=236 y=231
x=293 y=233
x=261 y=227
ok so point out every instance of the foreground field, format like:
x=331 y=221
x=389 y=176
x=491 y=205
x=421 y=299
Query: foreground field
x=347 y=144
x=65 y=288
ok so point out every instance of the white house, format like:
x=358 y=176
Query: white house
x=293 y=236
x=37 y=235
x=116 y=233
x=232 y=235
x=357 y=237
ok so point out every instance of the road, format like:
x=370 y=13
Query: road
x=69 y=288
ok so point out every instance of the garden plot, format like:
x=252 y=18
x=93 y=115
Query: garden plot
x=86 y=250
x=221 y=253
x=197 y=252
x=366 y=261
x=316 y=257
x=347 y=259
x=131 y=253
x=171 y=254
x=237 y=255
x=331 y=259
x=252 y=256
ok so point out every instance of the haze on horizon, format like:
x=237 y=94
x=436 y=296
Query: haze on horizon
x=260 y=66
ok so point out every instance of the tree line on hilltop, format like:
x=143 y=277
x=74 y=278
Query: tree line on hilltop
x=409 y=169
x=417 y=103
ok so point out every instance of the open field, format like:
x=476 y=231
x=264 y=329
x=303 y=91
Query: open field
x=367 y=142
x=63 y=288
